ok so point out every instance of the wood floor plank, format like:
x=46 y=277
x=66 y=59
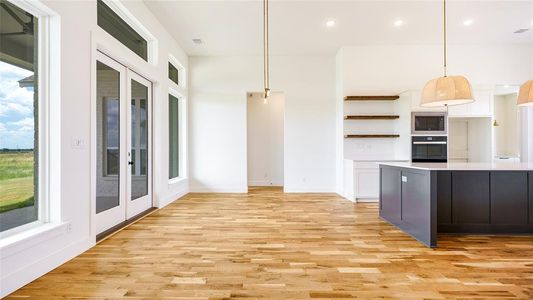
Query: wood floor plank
x=266 y=244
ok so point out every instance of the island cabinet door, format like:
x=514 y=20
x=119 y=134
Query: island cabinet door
x=509 y=198
x=530 y=197
x=390 y=194
x=470 y=197
x=444 y=198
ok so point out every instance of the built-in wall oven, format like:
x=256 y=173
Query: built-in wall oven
x=429 y=149
x=428 y=123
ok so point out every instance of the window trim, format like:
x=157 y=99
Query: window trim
x=133 y=22
x=49 y=118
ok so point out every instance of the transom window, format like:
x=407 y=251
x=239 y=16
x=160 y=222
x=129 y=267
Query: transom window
x=173 y=73
x=113 y=24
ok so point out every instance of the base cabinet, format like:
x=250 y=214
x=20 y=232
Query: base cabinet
x=531 y=198
x=485 y=201
x=470 y=198
x=366 y=183
x=391 y=194
x=509 y=198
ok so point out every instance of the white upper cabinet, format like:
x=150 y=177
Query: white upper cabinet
x=482 y=107
x=416 y=96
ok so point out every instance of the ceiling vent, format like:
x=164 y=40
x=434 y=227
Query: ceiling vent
x=521 y=30
x=197 y=41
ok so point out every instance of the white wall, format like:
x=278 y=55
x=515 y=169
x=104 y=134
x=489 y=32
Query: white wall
x=218 y=120
x=526 y=141
x=32 y=257
x=265 y=139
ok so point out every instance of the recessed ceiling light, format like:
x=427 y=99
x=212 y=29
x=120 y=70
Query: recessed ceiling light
x=331 y=23
x=398 y=23
x=506 y=86
x=468 y=22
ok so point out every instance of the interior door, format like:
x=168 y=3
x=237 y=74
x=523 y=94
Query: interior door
x=139 y=145
x=123 y=143
x=111 y=160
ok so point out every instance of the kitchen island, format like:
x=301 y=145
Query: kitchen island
x=426 y=199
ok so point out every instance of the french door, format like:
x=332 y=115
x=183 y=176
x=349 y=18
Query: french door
x=123 y=143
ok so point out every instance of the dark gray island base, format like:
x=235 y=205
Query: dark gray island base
x=426 y=199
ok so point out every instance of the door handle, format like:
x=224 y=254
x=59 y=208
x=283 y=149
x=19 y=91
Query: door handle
x=130 y=163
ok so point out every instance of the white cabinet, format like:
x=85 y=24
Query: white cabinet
x=482 y=107
x=366 y=180
x=416 y=97
x=459 y=110
x=362 y=180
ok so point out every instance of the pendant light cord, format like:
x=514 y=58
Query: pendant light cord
x=266 y=71
x=445 y=45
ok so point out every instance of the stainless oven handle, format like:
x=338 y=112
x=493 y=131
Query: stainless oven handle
x=429 y=143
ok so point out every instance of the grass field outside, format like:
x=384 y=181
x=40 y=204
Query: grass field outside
x=16 y=180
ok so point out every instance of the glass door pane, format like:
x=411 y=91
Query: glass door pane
x=108 y=137
x=139 y=140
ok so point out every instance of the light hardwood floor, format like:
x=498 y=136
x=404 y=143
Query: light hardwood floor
x=267 y=244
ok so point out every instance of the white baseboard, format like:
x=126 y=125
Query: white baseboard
x=264 y=183
x=368 y=200
x=306 y=189
x=21 y=277
x=350 y=198
x=219 y=189
x=171 y=198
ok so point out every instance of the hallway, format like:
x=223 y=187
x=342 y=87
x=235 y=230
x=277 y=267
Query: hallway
x=266 y=244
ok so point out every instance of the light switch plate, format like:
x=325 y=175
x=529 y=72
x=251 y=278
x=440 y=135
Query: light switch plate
x=404 y=178
x=78 y=143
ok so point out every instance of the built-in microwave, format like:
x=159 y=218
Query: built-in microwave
x=429 y=123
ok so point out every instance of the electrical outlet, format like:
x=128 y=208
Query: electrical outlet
x=69 y=227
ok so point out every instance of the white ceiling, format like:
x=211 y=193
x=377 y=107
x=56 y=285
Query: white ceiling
x=230 y=27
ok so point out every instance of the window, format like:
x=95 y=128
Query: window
x=173 y=73
x=173 y=139
x=113 y=24
x=19 y=122
x=111 y=134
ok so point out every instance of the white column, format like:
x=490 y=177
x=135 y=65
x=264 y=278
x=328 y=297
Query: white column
x=526 y=130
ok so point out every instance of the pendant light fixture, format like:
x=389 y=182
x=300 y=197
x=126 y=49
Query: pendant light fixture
x=447 y=90
x=266 y=63
x=525 y=96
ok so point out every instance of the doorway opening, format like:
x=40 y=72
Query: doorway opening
x=123 y=166
x=506 y=124
x=265 y=138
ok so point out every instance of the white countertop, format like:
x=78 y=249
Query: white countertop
x=463 y=166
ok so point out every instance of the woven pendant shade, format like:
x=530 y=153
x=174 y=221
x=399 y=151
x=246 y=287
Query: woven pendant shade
x=448 y=90
x=525 y=96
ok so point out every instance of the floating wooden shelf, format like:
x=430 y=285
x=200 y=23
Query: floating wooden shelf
x=371 y=98
x=372 y=117
x=371 y=136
